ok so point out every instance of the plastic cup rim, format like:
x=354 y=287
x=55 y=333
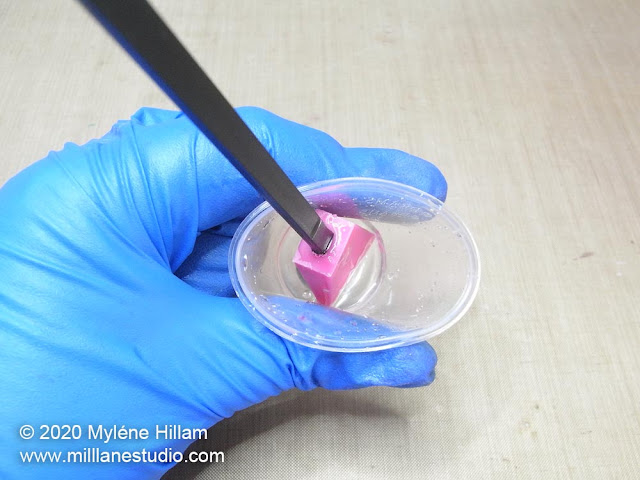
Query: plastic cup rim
x=408 y=337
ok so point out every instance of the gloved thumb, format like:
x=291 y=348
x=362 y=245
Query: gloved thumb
x=224 y=359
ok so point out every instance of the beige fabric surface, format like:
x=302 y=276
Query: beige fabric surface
x=532 y=111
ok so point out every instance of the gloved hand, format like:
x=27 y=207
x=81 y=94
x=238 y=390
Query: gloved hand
x=116 y=308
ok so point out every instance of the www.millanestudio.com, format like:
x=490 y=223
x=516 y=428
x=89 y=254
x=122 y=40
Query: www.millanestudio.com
x=99 y=442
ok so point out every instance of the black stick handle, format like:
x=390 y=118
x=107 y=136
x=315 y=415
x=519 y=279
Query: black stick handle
x=142 y=33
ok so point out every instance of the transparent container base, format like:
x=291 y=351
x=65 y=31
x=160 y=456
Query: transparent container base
x=418 y=277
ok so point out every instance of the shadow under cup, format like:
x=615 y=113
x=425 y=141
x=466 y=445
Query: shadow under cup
x=417 y=279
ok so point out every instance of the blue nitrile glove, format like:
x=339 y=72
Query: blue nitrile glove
x=116 y=307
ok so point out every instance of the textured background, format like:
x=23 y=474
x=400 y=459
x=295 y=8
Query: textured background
x=531 y=109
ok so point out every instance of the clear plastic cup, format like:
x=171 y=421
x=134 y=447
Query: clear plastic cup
x=417 y=279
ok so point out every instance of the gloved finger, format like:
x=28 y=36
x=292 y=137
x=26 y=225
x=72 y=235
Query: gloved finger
x=308 y=155
x=159 y=168
x=206 y=268
x=409 y=366
x=220 y=357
